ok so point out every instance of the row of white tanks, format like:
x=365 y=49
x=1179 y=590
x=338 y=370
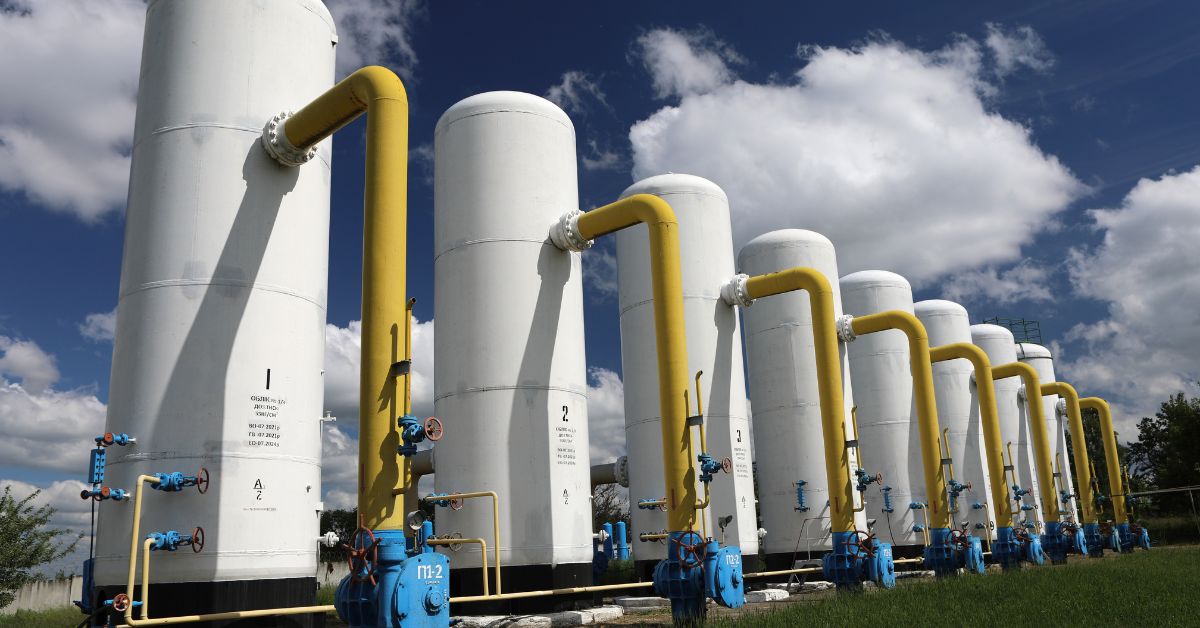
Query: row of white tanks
x=218 y=351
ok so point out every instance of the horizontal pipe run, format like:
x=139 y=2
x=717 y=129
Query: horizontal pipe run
x=232 y=615
x=784 y=572
x=549 y=592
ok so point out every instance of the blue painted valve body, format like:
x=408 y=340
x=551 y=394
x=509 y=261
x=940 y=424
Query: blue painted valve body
x=942 y=555
x=696 y=569
x=1054 y=543
x=1092 y=539
x=1006 y=550
x=847 y=566
x=410 y=588
x=1124 y=537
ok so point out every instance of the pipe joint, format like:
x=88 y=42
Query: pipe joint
x=565 y=234
x=845 y=328
x=737 y=292
x=277 y=145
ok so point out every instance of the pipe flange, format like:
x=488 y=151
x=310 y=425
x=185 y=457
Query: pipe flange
x=845 y=328
x=736 y=292
x=1021 y=394
x=621 y=471
x=1060 y=408
x=276 y=143
x=565 y=233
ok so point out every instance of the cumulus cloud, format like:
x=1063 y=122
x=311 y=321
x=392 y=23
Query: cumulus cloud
x=99 y=326
x=1017 y=47
x=36 y=418
x=606 y=415
x=1025 y=281
x=891 y=152
x=375 y=32
x=71 y=514
x=686 y=62
x=600 y=272
x=1146 y=347
x=66 y=114
x=576 y=92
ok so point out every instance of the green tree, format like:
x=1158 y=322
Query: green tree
x=1094 y=440
x=26 y=542
x=1168 y=448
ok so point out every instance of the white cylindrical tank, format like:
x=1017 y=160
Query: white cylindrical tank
x=510 y=381
x=788 y=441
x=946 y=323
x=714 y=346
x=219 y=346
x=1039 y=358
x=998 y=343
x=883 y=393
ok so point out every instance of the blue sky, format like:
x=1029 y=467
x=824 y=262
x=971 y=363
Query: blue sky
x=965 y=145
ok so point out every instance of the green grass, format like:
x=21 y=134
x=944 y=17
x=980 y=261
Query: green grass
x=53 y=618
x=1145 y=588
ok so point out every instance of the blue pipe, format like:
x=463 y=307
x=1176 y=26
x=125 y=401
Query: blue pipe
x=608 y=541
x=1095 y=543
x=622 y=543
x=1006 y=551
x=1054 y=544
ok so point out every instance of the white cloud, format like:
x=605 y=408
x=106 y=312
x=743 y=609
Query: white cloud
x=1024 y=281
x=1015 y=48
x=66 y=113
x=99 y=326
x=46 y=430
x=71 y=514
x=26 y=361
x=342 y=348
x=686 y=62
x=600 y=159
x=375 y=32
x=1146 y=348
x=575 y=91
x=600 y=273
x=891 y=152
x=606 y=415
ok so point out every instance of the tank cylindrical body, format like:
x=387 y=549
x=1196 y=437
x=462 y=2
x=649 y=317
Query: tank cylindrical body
x=997 y=342
x=714 y=345
x=510 y=381
x=1039 y=358
x=788 y=440
x=219 y=346
x=946 y=322
x=883 y=394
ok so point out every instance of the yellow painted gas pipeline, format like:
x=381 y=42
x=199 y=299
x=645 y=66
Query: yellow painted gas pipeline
x=927 y=420
x=989 y=418
x=1116 y=485
x=829 y=381
x=380 y=94
x=1083 y=467
x=1037 y=428
x=670 y=339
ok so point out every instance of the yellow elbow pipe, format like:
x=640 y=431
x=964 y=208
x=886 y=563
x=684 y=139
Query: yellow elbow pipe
x=1037 y=428
x=380 y=94
x=927 y=419
x=1083 y=473
x=495 y=521
x=1116 y=488
x=670 y=339
x=989 y=417
x=142 y=480
x=482 y=553
x=829 y=381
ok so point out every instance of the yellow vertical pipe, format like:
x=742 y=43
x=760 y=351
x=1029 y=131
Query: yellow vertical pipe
x=927 y=419
x=670 y=340
x=829 y=381
x=1116 y=484
x=1037 y=428
x=379 y=93
x=1083 y=467
x=408 y=480
x=989 y=417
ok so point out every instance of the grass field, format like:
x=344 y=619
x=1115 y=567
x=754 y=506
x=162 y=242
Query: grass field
x=1152 y=588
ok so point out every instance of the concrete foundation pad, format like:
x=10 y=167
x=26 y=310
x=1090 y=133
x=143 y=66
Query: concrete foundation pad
x=641 y=602
x=766 y=595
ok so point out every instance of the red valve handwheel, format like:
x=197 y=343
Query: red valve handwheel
x=359 y=549
x=202 y=480
x=726 y=465
x=108 y=440
x=959 y=538
x=197 y=539
x=105 y=491
x=120 y=602
x=690 y=554
x=861 y=540
x=433 y=429
x=457 y=503
x=879 y=479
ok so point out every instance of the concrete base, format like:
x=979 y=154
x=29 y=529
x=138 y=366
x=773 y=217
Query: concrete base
x=598 y=615
x=766 y=595
x=629 y=602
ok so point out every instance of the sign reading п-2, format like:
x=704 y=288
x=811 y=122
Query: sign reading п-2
x=262 y=428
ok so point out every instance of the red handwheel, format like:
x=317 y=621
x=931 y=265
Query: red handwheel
x=433 y=429
x=727 y=465
x=202 y=480
x=863 y=541
x=120 y=603
x=457 y=503
x=197 y=539
x=362 y=548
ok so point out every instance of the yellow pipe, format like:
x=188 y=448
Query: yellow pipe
x=987 y=531
x=692 y=454
x=946 y=446
x=230 y=616
x=548 y=592
x=142 y=480
x=903 y=561
x=927 y=419
x=495 y=520
x=829 y=381
x=858 y=450
x=925 y=515
x=379 y=93
x=1083 y=474
x=652 y=536
x=145 y=578
x=1116 y=488
x=482 y=553
x=670 y=338
x=1037 y=428
x=1012 y=480
x=989 y=416
x=408 y=481
x=783 y=572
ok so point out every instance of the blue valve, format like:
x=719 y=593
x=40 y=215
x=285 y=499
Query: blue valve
x=108 y=439
x=105 y=492
x=1019 y=492
x=413 y=431
x=918 y=527
x=1065 y=496
x=434 y=498
x=708 y=466
x=887 y=499
x=865 y=479
x=801 y=498
x=956 y=488
x=171 y=540
x=1027 y=507
x=175 y=481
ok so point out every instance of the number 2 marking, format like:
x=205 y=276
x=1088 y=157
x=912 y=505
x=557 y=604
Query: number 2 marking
x=565 y=413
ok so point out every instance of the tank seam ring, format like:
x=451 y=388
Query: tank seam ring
x=212 y=281
x=463 y=245
x=479 y=389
